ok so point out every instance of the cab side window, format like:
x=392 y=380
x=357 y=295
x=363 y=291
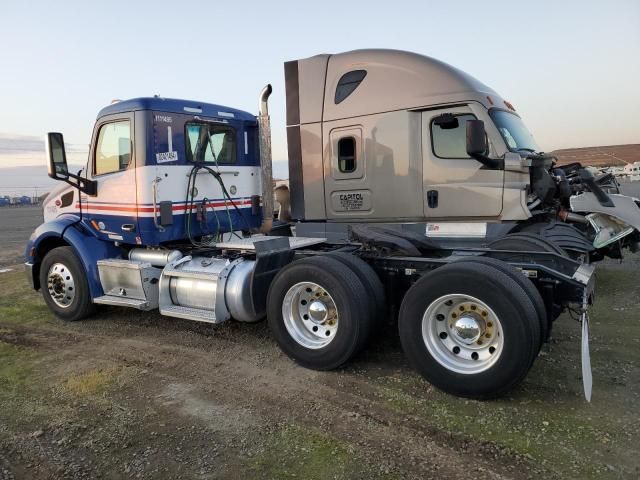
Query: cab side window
x=113 y=150
x=449 y=137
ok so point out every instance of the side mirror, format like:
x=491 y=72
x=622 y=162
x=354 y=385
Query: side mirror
x=477 y=145
x=476 y=138
x=58 y=168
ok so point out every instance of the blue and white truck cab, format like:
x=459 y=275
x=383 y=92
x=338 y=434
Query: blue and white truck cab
x=405 y=184
x=143 y=152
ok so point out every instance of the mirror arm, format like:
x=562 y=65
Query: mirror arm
x=90 y=187
x=491 y=163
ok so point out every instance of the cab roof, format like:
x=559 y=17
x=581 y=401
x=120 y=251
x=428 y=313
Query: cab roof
x=173 y=105
x=392 y=80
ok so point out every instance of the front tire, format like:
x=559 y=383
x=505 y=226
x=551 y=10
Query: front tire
x=64 y=285
x=469 y=329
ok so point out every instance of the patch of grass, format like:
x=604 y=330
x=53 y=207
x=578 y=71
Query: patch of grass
x=22 y=398
x=97 y=381
x=15 y=367
x=305 y=453
x=90 y=383
x=560 y=437
x=19 y=303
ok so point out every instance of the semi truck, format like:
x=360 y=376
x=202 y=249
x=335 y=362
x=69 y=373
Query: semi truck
x=417 y=193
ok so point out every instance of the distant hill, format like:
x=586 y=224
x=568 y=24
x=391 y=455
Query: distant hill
x=600 y=156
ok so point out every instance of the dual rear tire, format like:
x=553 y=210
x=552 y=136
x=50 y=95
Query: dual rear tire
x=472 y=328
x=321 y=311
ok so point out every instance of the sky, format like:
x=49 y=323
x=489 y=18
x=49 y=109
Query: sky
x=571 y=68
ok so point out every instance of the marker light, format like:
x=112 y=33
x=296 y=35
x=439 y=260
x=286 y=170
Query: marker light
x=509 y=106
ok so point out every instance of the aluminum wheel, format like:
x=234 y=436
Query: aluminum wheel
x=61 y=285
x=310 y=315
x=462 y=333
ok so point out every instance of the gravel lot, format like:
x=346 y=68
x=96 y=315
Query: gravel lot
x=135 y=395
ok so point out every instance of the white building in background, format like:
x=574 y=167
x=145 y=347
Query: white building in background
x=632 y=171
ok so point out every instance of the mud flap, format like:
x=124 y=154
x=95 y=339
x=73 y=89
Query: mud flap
x=587 y=378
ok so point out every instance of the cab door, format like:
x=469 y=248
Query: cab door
x=347 y=188
x=455 y=185
x=112 y=213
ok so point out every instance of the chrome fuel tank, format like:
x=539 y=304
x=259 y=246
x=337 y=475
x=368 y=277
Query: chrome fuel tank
x=208 y=289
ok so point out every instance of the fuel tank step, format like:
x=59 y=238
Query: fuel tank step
x=128 y=283
x=189 y=313
x=122 y=302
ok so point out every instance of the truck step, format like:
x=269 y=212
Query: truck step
x=128 y=283
x=123 y=302
x=189 y=313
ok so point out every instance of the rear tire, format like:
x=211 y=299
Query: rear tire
x=319 y=312
x=527 y=286
x=64 y=285
x=523 y=241
x=369 y=279
x=469 y=329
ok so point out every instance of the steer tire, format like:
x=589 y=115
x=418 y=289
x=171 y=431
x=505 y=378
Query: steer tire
x=510 y=311
x=345 y=291
x=79 y=299
x=526 y=284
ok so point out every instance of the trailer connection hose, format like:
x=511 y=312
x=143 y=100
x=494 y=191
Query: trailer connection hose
x=190 y=202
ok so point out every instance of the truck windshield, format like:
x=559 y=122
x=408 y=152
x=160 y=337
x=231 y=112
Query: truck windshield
x=513 y=131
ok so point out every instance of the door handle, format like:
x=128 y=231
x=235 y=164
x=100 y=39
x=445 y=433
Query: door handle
x=154 y=187
x=432 y=199
x=128 y=227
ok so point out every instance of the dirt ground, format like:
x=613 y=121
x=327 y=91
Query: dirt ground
x=136 y=395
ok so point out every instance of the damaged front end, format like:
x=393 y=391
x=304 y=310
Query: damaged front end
x=612 y=228
x=607 y=221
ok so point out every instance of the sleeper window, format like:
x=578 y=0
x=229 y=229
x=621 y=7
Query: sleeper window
x=450 y=142
x=113 y=151
x=347 y=154
x=348 y=83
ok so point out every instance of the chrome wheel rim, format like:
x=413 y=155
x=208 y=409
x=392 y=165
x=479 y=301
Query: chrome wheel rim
x=310 y=315
x=462 y=333
x=61 y=285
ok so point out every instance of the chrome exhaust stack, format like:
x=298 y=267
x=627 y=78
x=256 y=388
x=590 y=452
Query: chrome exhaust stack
x=264 y=126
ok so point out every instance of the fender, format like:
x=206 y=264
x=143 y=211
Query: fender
x=625 y=208
x=51 y=230
x=67 y=230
